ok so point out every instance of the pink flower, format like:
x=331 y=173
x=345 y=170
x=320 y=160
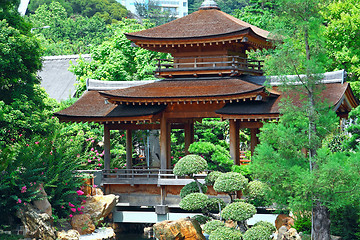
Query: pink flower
x=27 y=145
x=83 y=201
x=115 y=168
x=79 y=209
x=82 y=207
x=36 y=142
x=79 y=192
x=92 y=141
x=71 y=215
x=99 y=159
x=23 y=189
x=62 y=207
x=25 y=203
x=81 y=212
x=71 y=140
x=20 y=135
x=96 y=151
x=92 y=149
x=78 y=155
x=94 y=186
x=71 y=205
x=18 y=201
x=97 y=154
x=95 y=168
x=73 y=209
x=100 y=164
x=89 y=160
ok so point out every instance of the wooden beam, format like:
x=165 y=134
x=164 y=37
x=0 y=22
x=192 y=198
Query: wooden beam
x=254 y=139
x=247 y=124
x=189 y=135
x=106 y=147
x=164 y=140
x=234 y=141
x=128 y=149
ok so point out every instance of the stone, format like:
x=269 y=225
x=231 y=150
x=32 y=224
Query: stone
x=291 y=234
x=83 y=224
x=99 y=207
x=69 y=235
x=43 y=205
x=284 y=220
x=230 y=224
x=182 y=229
x=38 y=224
x=280 y=233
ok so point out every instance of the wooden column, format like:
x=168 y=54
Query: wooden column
x=128 y=149
x=234 y=141
x=189 y=135
x=164 y=143
x=106 y=147
x=254 y=139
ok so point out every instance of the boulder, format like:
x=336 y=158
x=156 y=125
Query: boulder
x=99 y=207
x=38 y=224
x=43 y=205
x=284 y=220
x=291 y=234
x=69 y=235
x=182 y=229
x=280 y=233
x=83 y=224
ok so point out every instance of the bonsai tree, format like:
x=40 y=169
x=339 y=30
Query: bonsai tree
x=211 y=226
x=211 y=177
x=257 y=193
x=193 y=201
x=225 y=233
x=240 y=212
x=230 y=182
x=192 y=188
x=258 y=232
x=189 y=166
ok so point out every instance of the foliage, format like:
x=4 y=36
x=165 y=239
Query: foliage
x=211 y=177
x=154 y=12
x=116 y=60
x=212 y=130
x=192 y=188
x=218 y=157
x=267 y=225
x=354 y=129
x=302 y=222
x=238 y=211
x=230 y=182
x=210 y=226
x=225 y=233
x=245 y=170
x=212 y=204
x=257 y=233
x=193 y=201
x=257 y=193
x=190 y=165
x=201 y=219
x=345 y=222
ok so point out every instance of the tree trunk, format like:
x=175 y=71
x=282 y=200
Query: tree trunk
x=320 y=222
x=198 y=184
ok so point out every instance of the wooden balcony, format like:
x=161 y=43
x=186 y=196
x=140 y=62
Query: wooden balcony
x=207 y=66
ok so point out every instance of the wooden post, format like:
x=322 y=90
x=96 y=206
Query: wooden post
x=128 y=149
x=234 y=141
x=106 y=147
x=189 y=135
x=254 y=139
x=164 y=142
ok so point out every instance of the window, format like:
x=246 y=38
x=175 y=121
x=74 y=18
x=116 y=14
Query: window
x=184 y=4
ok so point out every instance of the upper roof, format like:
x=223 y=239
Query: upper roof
x=202 y=24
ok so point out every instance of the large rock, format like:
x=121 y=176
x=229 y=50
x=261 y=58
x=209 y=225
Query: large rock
x=83 y=224
x=38 y=224
x=99 y=207
x=284 y=220
x=182 y=229
x=69 y=235
x=44 y=204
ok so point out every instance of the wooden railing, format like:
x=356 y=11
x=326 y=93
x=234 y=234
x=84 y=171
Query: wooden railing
x=234 y=63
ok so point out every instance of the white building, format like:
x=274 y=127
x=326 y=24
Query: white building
x=179 y=8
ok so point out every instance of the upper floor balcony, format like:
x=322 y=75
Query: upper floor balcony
x=207 y=66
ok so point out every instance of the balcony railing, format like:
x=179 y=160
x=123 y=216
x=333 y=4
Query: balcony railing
x=220 y=65
x=146 y=176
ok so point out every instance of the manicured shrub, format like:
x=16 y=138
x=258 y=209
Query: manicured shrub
x=225 y=233
x=192 y=188
x=257 y=193
x=211 y=177
x=229 y=182
x=193 y=201
x=201 y=219
x=238 y=211
x=267 y=225
x=211 y=226
x=212 y=204
x=189 y=165
x=257 y=233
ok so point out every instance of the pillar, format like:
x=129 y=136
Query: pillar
x=254 y=139
x=164 y=143
x=234 y=141
x=128 y=149
x=106 y=147
x=189 y=135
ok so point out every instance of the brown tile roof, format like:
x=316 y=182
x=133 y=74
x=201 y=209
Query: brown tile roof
x=199 y=24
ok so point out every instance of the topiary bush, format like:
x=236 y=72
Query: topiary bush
x=257 y=193
x=212 y=204
x=211 y=178
x=225 y=233
x=201 y=219
x=257 y=233
x=230 y=182
x=192 y=188
x=190 y=165
x=193 y=201
x=238 y=211
x=267 y=225
x=211 y=226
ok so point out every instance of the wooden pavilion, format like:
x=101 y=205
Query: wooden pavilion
x=209 y=76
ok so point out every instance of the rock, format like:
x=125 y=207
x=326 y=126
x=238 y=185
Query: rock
x=97 y=191
x=284 y=220
x=99 y=207
x=100 y=234
x=230 y=224
x=291 y=234
x=38 y=224
x=44 y=204
x=280 y=233
x=83 y=224
x=69 y=235
x=182 y=229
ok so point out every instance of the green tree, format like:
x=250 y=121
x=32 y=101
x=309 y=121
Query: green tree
x=152 y=11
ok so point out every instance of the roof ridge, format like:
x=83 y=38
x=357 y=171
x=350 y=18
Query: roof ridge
x=65 y=57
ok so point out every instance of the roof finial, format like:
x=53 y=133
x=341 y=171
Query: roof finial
x=209 y=4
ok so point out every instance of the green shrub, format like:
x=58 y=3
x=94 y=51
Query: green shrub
x=192 y=188
x=211 y=177
x=225 y=233
x=229 y=182
x=238 y=211
x=267 y=225
x=201 y=219
x=189 y=165
x=244 y=170
x=212 y=204
x=257 y=193
x=211 y=226
x=193 y=201
x=257 y=233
